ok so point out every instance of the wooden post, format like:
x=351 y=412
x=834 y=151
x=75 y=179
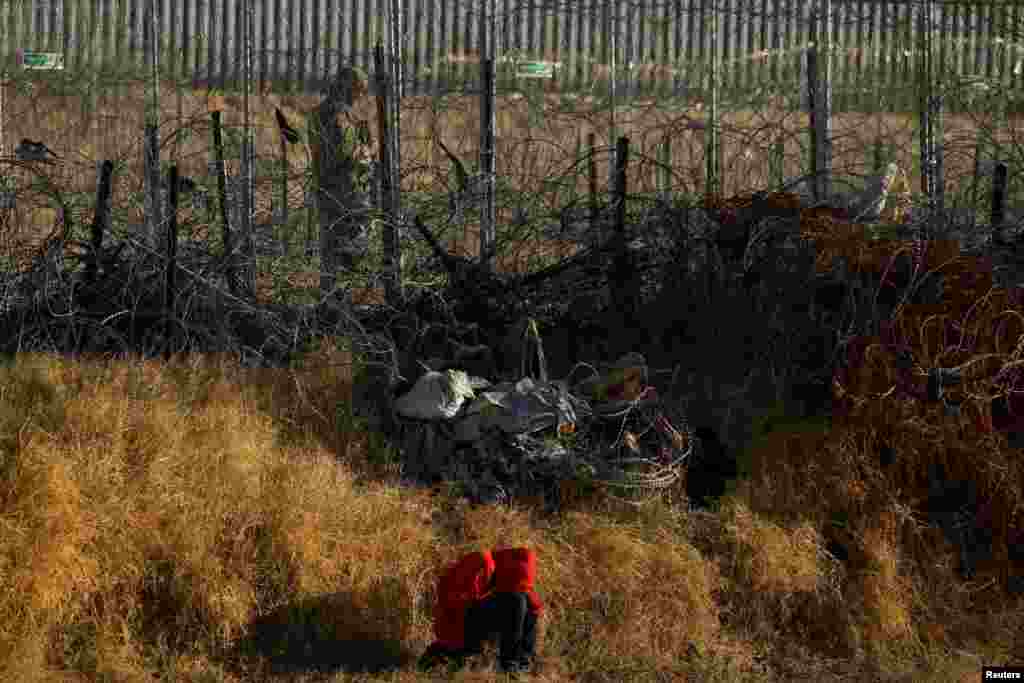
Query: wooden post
x=665 y=168
x=3 y=115
x=819 y=86
x=712 y=146
x=776 y=163
x=926 y=143
x=979 y=152
x=579 y=157
x=595 y=210
x=979 y=155
x=613 y=32
x=309 y=203
x=938 y=152
x=284 y=190
x=812 y=113
x=999 y=195
x=930 y=152
x=376 y=195
x=179 y=113
x=825 y=101
x=488 y=238
x=395 y=101
x=101 y=218
x=248 y=166
x=222 y=197
x=935 y=129
x=879 y=160
x=152 y=141
x=392 y=254
x=172 y=257
x=623 y=269
x=621 y=154
x=7 y=198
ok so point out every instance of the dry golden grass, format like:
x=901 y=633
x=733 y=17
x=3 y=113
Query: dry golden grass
x=183 y=520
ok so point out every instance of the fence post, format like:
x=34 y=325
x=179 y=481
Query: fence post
x=101 y=218
x=392 y=256
x=3 y=115
x=665 y=168
x=812 y=114
x=979 y=155
x=926 y=143
x=938 y=153
x=878 y=159
x=935 y=106
x=776 y=163
x=222 y=198
x=595 y=210
x=623 y=270
x=248 y=165
x=395 y=135
x=712 y=148
x=309 y=203
x=284 y=184
x=172 y=256
x=613 y=31
x=395 y=33
x=819 y=75
x=579 y=156
x=999 y=195
x=488 y=238
x=621 y=159
x=376 y=196
x=152 y=141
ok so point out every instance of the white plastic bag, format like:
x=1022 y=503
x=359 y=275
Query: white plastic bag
x=435 y=396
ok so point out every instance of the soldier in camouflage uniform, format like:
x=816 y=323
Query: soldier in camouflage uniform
x=341 y=173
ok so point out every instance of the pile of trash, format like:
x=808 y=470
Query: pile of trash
x=508 y=440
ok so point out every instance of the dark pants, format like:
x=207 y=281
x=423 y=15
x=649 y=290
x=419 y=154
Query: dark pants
x=508 y=616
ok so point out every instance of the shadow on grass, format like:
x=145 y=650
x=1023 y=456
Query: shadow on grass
x=324 y=635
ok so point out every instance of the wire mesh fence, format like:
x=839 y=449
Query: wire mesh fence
x=655 y=47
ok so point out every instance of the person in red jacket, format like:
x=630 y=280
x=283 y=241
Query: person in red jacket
x=462 y=585
x=510 y=609
x=484 y=594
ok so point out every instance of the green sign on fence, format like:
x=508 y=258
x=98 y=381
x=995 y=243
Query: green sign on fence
x=49 y=61
x=535 y=69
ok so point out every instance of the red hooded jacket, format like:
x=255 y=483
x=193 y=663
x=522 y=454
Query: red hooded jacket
x=515 y=570
x=462 y=584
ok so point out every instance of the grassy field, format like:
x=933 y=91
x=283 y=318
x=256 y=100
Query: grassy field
x=203 y=522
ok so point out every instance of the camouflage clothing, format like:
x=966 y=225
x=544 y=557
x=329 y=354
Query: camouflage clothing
x=341 y=157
